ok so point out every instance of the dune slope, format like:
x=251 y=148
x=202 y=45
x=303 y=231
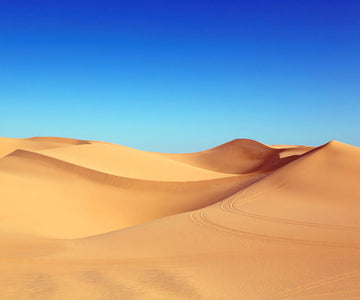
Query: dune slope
x=8 y=145
x=127 y=162
x=43 y=195
x=241 y=156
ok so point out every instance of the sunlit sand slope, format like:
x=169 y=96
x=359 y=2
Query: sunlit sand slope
x=127 y=162
x=45 y=196
x=8 y=145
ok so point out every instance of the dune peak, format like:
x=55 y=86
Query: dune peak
x=57 y=140
x=338 y=146
x=242 y=143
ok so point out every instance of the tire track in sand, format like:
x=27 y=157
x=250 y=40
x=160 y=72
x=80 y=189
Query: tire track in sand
x=228 y=205
x=199 y=217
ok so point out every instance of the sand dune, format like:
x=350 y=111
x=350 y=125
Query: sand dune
x=47 y=196
x=8 y=145
x=240 y=221
x=132 y=163
x=240 y=156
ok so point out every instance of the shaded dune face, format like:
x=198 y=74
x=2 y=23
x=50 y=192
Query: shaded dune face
x=241 y=156
x=93 y=220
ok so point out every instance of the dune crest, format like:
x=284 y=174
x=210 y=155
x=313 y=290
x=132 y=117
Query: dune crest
x=8 y=145
x=244 y=220
x=39 y=189
x=132 y=163
x=239 y=156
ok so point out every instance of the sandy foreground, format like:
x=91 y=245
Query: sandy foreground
x=93 y=220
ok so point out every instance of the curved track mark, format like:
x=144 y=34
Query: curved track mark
x=199 y=218
x=229 y=206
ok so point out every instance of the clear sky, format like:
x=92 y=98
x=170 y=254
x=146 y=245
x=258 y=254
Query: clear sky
x=181 y=76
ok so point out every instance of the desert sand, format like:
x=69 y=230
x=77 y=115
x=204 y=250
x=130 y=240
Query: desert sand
x=244 y=220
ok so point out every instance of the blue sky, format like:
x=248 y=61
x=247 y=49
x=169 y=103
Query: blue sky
x=181 y=76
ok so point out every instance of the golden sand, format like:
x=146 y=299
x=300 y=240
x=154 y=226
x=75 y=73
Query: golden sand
x=244 y=220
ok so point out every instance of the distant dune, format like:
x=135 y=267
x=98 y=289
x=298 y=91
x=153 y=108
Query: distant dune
x=241 y=156
x=244 y=220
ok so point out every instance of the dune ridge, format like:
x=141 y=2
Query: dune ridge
x=128 y=162
x=98 y=176
x=100 y=201
x=8 y=145
x=240 y=156
x=243 y=220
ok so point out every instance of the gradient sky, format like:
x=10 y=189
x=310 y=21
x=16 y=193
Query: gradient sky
x=181 y=76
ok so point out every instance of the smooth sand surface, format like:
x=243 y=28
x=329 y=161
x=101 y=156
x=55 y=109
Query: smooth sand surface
x=244 y=220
